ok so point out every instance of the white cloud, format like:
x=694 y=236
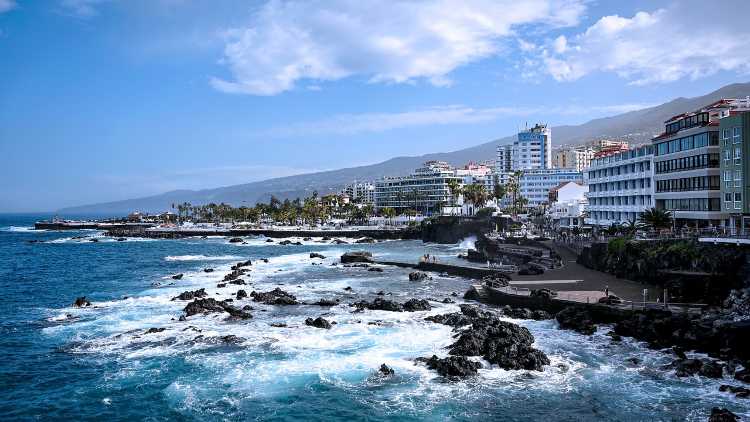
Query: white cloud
x=81 y=8
x=392 y=41
x=351 y=124
x=6 y=5
x=687 y=39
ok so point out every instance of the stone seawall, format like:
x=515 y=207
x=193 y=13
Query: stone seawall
x=705 y=333
x=691 y=271
x=277 y=234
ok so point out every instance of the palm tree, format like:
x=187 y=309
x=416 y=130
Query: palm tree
x=455 y=190
x=657 y=218
x=498 y=191
x=388 y=213
x=475 y=194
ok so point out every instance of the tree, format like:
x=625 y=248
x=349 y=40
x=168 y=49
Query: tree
x=657 y=218
x=455 y=190
x=475 y=194
x=498 y=190
x=518 y=202
x=388 y=213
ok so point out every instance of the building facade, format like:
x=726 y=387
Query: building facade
x=621 y=186
x=424 y=191
x=568 y=204
x=734 y=128
x=687 y=163
x=578 y=158
x=504 y=159
x=360 y=193
x=532 y=149
x=535 y=184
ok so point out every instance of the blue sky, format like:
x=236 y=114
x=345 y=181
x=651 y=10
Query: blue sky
x=112 y=99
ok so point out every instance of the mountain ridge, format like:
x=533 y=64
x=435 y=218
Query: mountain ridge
x=636 y=126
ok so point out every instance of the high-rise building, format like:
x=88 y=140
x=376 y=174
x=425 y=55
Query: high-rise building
x=535 y=184
x=734 y=144
x=620 y=186
x=504 y=158
x=425 y=191
x=361 y=193
x=532 y=149
x=687 y=161
x=578 y=158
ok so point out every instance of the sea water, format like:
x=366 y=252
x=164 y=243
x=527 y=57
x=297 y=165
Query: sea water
x=60 y=362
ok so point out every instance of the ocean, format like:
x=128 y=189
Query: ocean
x=62 y=363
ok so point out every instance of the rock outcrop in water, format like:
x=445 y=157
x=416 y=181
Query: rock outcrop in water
x=274 y=297
x=188 y=295
x=81 y=302
x=317 y=255
x=418 y=276
x=722 y=415
x=452 y=366
x=386 y=371
x=577 y=319
x=211 y=305
x=380 y=304
x=500 y=342
x=177 y=276
x=318 y=322
x=353 y=257
x=739 y=392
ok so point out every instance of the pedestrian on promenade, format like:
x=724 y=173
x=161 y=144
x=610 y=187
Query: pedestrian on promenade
x=606 y=291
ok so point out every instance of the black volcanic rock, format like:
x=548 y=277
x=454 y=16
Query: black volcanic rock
x=418 y=276
x=577 y=319
x=414 y=305
x=188 y=295
x=274 y=297
x=499 y=342
x=236 y=240
x=318 y=322
x=739 y=392
x=211 y=305
x=241 y=294
x=317 y=255
x=722 y=415
x=177 y=276
x=81 y=302
x=386 y=371
x=352 y=257
x=452 y=366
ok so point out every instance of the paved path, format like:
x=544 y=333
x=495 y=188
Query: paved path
x=589 y=280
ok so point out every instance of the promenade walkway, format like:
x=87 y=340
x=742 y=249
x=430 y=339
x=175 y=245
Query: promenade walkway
x=575 y=279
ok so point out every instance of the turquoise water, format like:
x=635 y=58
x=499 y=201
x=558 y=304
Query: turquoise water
x=61 y=362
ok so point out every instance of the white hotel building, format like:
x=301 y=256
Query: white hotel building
x=621 y=186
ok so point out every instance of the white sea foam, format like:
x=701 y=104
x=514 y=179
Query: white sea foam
x=21 y=229
x=202 y=258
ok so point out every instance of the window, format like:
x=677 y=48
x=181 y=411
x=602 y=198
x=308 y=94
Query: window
x=737 y=178
x=736 y=135
x=727 y=197
x=737 y=200
x=737 y=155
x=727 y=155
x=725 y=134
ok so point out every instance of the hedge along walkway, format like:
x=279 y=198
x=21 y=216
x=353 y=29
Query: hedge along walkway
x=587 y=281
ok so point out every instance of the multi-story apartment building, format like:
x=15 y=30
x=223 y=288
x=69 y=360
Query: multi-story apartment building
x=360 y=193
x=532 y=149
x=578 y=158
x=568 y=204
x=687 y=161
x=504 y=158
x=734 y=144
x=425 y=191
x=601 y=144
x=620 y=186
x=535 y=184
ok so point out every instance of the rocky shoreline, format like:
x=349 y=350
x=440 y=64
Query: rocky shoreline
x=482 y=338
